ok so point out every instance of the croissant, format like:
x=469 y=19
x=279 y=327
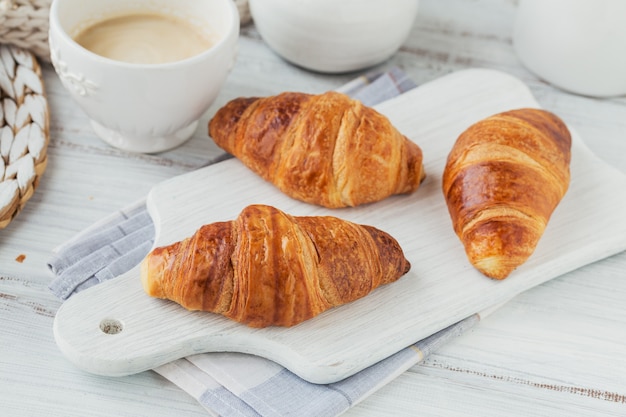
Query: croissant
x=325 y=149
x=268 y=268
x=503 y=179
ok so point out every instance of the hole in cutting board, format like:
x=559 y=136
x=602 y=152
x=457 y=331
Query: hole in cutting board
x=111 y=326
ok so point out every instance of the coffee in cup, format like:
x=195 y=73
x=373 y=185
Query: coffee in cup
x=147 y=97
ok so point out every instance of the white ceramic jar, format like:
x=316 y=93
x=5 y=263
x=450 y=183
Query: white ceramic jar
x=576 y=45
x=334 y=36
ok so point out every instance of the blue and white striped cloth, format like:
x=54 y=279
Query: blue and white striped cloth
x=235 y=384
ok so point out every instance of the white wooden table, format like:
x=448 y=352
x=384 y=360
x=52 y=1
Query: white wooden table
x=555 y=350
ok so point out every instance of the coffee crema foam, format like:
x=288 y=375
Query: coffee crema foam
x=144 y=38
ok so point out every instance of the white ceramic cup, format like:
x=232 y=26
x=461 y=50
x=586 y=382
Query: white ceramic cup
x=334 y=36
x=143 y=107
x=576 y=45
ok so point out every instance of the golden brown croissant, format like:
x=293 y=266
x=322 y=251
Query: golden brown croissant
x=503 y=179
x=270 y=268
x=325 y=149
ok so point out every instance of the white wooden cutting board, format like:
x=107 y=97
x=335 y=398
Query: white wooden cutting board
x=440 y=289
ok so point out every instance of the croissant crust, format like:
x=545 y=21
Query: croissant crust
x=325 y=149
x=503 y=179
x=268 y=268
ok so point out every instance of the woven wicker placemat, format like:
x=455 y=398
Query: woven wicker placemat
x=24 y=23
x=24 y=129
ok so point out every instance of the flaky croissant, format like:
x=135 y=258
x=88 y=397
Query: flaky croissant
x=268 y=268
x=503 y=179
x=325 y=149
